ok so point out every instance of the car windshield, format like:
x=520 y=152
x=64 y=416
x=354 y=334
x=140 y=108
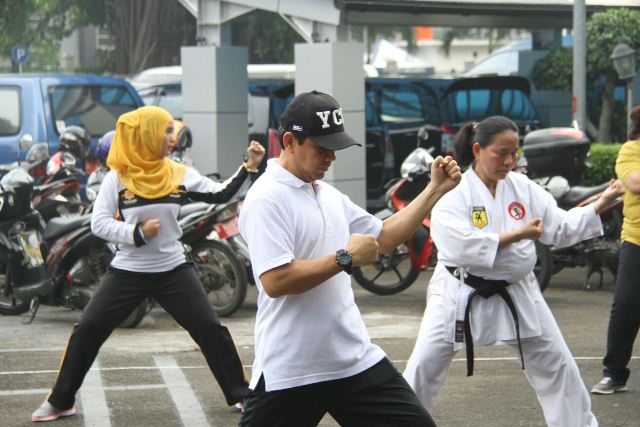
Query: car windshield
x=94 y=107
x=400 y=104
x=477 y=104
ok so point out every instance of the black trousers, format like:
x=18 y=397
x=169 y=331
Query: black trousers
x=379 y=396
x=182 y=295
x=624 y=320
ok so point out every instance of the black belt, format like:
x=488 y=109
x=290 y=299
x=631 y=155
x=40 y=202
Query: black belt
x=485 y=288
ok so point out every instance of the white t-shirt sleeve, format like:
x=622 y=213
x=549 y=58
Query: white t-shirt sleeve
x=360 y=221
x=105 y=208
x=268 y=233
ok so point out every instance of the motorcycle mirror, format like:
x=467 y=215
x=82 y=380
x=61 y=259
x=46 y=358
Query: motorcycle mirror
x=419 y=160
x=423 y=135
x=68 y=160
x=26 y=141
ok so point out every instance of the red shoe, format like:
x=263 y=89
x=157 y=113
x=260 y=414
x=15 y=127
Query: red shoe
x=47 y=412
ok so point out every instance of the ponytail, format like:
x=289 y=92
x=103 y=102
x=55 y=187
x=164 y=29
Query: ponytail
x=463 y=143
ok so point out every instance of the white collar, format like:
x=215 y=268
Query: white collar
x=280 y=174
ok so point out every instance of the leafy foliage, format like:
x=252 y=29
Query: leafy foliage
x=147 y=33
x=604 y=31
x=603 y=162
x=550 y=72
x=41 y=25
x=268 y=37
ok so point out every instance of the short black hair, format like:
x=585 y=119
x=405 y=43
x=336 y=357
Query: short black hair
x=301 y=137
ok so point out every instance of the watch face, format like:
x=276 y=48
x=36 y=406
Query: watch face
x=343 y=258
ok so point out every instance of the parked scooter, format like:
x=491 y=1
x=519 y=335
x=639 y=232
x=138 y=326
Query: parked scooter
x=59 y=264
x=556 y=158
x=596 y=253
x=222 y=273
x=397 y=270
x=58 y=194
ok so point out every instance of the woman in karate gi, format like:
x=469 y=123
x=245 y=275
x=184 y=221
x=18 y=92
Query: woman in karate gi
x=485 y=230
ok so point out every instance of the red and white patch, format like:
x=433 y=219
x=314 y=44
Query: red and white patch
x=517 y=211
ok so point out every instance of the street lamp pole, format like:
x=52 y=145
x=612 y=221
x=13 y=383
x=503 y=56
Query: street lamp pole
x=624 y=61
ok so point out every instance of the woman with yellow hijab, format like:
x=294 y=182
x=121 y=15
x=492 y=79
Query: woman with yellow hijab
x=137 y=208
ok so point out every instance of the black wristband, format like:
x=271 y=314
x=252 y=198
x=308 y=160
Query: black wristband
x=138 y=237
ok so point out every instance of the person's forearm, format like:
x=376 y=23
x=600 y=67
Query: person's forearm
x=508 y=237
x=299 y=276
x=400 y=226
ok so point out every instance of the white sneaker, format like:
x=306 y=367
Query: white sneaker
x=48 y=412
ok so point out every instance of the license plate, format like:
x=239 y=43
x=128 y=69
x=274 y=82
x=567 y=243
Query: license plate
x=228 y=228
x=30 y=244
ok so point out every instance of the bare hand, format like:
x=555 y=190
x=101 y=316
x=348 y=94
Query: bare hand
x=445 y=174
x=150 y=228
x=255 y=154
x=363 y=249
x=615 y=189
x=532 y=230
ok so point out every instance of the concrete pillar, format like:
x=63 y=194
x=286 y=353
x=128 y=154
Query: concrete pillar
x=214 y=93
x=337 y=69
x=579 y=79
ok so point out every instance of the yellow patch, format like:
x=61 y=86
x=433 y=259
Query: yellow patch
x=128 y=195
x=479 y=217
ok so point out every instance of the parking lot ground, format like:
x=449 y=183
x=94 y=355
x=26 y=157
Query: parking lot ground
x=155 y=375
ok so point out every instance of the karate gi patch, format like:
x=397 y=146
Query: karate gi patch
x=516 y=210
x=479 y=217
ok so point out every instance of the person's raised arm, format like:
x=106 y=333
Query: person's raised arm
x=203 y=189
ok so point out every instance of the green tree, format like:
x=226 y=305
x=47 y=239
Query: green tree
x=41 y=25
x=147 y=33
x=604 y=31
x=269 y=39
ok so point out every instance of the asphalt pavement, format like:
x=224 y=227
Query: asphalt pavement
x=155 y=375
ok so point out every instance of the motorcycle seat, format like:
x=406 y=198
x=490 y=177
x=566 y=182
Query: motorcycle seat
x=191 y=208
x=579 y=193
x=60 y=225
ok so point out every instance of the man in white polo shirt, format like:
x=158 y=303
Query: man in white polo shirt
x=312 y=351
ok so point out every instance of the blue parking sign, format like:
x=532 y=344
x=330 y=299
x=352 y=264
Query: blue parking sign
x=20 y=53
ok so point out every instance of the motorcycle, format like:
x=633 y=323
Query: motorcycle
x=596 y=253
x=222 y=273
x=60 y=263
x=58 y=194
x=556 y=158
x=397 y=270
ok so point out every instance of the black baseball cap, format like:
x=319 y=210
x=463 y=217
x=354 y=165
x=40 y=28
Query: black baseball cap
x=318 y=116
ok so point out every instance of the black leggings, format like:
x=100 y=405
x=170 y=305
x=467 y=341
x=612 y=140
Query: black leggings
x=625 y=314
x=182 y=295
